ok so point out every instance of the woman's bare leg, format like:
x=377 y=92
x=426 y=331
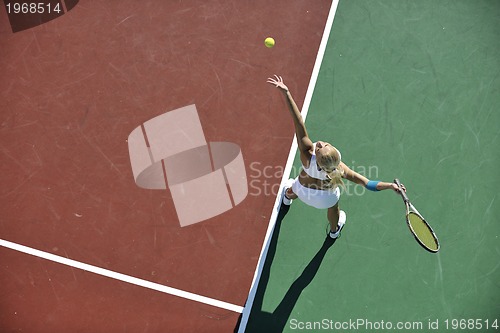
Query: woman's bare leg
x=333 y=217
x=290 y=195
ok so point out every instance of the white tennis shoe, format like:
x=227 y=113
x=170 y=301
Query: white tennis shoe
x=284 y=200
x=341 y=223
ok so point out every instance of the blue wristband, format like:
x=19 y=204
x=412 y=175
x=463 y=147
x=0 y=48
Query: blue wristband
x=372 y=185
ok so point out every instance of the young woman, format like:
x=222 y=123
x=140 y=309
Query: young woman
x=322 y=171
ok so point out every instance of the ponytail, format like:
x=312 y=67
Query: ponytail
x=335 y=178
x=332 y=162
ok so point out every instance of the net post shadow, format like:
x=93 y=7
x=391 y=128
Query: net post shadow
x=262 y=321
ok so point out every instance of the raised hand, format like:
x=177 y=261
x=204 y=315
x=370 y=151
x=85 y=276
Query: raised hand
x=278 y=82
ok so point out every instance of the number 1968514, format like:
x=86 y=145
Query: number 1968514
x=33 y=8
x=471 y=324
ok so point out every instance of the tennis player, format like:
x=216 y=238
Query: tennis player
x=322 y=171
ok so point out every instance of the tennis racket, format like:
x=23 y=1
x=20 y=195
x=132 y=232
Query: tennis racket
x=422 y=231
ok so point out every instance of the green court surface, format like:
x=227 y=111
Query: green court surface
x=407 y=89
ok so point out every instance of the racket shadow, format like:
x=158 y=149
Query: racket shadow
x=262 y=321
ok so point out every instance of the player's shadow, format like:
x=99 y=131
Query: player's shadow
x=262 y=321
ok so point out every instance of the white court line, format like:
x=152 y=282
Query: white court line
x=288 y=168
x=121 y=277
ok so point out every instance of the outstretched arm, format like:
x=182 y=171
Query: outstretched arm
x=304 y=142
x=359 y=179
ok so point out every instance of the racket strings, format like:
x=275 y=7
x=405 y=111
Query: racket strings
x=423 y=232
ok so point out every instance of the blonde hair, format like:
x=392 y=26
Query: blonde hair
x=331 y=165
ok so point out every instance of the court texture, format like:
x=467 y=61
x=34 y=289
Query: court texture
x=100 y=102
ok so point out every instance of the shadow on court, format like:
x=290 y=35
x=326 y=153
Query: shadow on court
x=261 y=321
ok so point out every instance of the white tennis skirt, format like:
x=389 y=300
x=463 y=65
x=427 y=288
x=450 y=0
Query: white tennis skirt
x=320 y=199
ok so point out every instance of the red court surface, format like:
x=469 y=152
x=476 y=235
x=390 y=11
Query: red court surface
x=72 y=90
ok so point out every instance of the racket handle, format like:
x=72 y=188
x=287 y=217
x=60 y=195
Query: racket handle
x=403 y=193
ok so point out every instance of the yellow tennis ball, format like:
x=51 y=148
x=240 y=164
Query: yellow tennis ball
x=269 y=42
